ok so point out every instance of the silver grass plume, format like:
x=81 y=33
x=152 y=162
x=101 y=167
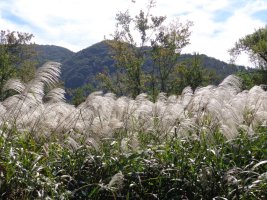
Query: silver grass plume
x=22 y=107
x=72 y=143
x=15 y=85
x=56 y=95
x=116 y=182
x=101 y=115
x=49 y=73
x=55 y=116
x=186 y=96
x=2 y=114
x=233 y=82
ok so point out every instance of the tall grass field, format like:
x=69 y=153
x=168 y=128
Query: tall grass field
x=210 y=143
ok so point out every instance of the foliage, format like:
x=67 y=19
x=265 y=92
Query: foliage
x=192 y=73
x=14 y=52
x=166 y=44
x=166 y=49
x=255 y=46
x=27 y=71
x=176 y=168
x=252 y=78
x=79 y=95
x=204 y=144
x=15 y=44
x=83 y=67
x=6 y=71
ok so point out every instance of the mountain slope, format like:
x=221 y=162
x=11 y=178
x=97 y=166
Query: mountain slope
x=46 y=53
x=82 y=67
x=86 y=64
x=221 y=68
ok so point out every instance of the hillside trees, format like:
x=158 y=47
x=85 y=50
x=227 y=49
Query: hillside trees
x=15 y=54
x=192 y=73
x=157 y=43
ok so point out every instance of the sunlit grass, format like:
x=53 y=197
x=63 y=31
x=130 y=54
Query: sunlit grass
x=206 y=144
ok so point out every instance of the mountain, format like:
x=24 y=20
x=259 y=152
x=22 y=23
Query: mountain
x=46 y=53
x=82 y=67
x=86 y=64
x=221 y=68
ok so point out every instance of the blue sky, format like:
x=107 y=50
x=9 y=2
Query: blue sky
x=77 y=24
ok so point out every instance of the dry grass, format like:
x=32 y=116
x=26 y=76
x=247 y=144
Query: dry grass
x=224 y=107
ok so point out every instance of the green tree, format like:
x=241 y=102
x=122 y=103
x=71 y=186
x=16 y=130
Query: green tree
x=79 y=94
x=6 y=70
x=252 y=77
x=15 y=54
x=128 y=75
x=166 y=48
x=191 y=73
x=255 y=45
x=131 y=52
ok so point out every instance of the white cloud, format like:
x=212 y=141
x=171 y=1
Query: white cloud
x=77 y=24
x=216 y=38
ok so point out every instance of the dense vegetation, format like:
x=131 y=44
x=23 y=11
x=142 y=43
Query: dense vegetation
x=80 y=70
x=45 y=53
x=174 y=169
x=82 y=67
x=207 y=144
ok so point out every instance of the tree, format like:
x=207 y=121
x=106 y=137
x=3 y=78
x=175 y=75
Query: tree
x=255 y=45
x=16 y=44
x=79 y=94
x=191 y=73
x=166 y=48
x=251 y=78
x=14 y=54
x=6 y=70
x=130 y=52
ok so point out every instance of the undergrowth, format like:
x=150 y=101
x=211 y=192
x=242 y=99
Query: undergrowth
x=47 y=168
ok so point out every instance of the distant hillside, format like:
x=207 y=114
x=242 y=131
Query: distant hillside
x=82 y=67
x=86 y=64
x=221 y=68
x=46 y=53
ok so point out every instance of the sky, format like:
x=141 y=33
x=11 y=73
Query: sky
x=78 y=24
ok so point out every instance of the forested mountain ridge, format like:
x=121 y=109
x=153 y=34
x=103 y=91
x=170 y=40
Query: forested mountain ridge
x=44 y=53
x=83 y=67
x=221 y=68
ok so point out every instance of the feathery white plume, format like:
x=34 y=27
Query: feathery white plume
x=14 y=84
x=56 y=95
x=49 y=73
